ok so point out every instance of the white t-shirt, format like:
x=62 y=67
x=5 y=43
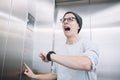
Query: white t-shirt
x=80 y=48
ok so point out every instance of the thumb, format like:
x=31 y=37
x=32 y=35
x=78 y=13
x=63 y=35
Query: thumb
x=42 y=56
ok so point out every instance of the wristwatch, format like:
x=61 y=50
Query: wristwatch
x=49 y=55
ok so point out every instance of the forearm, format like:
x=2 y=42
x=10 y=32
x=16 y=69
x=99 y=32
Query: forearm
x=47 y=76
x=74 y=62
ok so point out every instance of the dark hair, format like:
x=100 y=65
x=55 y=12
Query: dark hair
x=78 y=18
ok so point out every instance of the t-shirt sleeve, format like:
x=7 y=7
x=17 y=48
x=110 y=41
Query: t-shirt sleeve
x=91 y=51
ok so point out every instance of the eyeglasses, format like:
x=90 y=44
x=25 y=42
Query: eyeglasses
x=70 y=19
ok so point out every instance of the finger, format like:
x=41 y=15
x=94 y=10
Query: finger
x=26 y=70
x=26 y=66
x=42 y=56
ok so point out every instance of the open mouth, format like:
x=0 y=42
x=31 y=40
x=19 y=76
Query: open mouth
x=67 y=29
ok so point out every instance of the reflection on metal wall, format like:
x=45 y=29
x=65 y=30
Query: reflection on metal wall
x=14 y=39
x=29 y=36
x=43 y=34
x=105 y=32
x=3 y=30
x=17 y=34
x=101 y=23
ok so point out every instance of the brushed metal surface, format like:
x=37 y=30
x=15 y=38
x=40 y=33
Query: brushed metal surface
x=4 y=26
x=43 y=35
x=13 y=20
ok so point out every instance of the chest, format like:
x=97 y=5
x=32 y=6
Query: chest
x=76 y=49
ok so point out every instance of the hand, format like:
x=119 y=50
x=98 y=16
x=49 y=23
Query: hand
x=28 y=71
x=43 y=56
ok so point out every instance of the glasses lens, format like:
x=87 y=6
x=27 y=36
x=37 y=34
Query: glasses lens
x=68 y=19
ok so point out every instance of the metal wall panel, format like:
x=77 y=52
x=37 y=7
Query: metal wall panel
x=28 y=38
x=4 y=27
x=12 y=66
x=43 y=35
x=28 y=52
x=15 y=40
x=105 y=32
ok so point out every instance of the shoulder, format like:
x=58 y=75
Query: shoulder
x=85 y=41
x=88 y=43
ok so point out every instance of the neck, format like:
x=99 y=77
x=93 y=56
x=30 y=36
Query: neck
x=72 y=39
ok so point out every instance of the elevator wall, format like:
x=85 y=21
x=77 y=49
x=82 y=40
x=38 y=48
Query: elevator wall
x=43 y=34
x=26 y=29
x=16 y=39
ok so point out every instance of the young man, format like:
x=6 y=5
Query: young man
x=75 y=60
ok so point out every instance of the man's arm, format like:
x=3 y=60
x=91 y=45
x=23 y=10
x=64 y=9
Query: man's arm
x=47 y=76
x=74 y=62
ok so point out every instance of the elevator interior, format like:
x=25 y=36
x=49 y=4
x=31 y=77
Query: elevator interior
x=30 y=26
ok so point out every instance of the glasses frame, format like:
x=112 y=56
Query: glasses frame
x=70 y=19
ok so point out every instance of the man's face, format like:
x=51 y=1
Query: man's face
x=70 y=25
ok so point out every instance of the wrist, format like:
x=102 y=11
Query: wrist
x=34 y=76
x=49 y=55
